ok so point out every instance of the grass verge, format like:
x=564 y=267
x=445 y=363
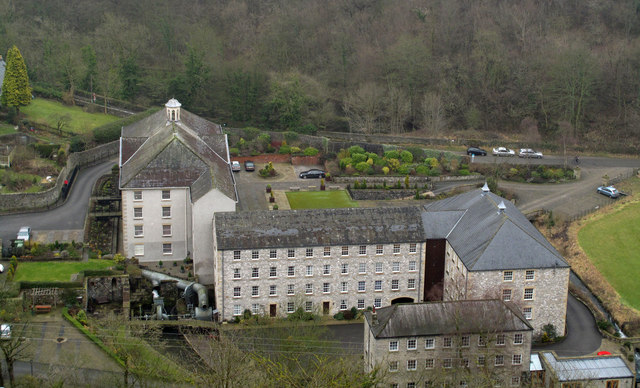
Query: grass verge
x=48 y=112
x=319 y=199
x=56 y=271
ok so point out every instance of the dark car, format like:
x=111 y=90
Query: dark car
x=476 y=151
x=313 y=173
x=249 y=166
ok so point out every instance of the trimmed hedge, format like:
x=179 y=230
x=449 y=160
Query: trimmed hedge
x=28 y=284
x=46 y=91
x=111 y=131
x=91 y=336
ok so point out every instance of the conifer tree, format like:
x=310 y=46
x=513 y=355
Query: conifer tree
x=16 y=91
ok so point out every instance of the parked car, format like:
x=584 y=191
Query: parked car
x=503 y=151
x=235 y=166
x=313 y=173
x=476 y=151
x=249 y=166
x=1 y=268
x=24 y=233
x=609 y=191
x=529 y=153
x=5 y=331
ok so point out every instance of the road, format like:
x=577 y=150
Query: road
x=69 y=216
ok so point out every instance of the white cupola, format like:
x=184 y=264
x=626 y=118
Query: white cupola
x=173 y=110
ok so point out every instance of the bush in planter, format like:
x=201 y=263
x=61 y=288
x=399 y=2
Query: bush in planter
x=275 y=207
x=268 y=188
x=160 y=263
x=284 y=149
x=310 y=151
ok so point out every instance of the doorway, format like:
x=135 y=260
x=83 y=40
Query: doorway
x=273 y=309
x=325 y=308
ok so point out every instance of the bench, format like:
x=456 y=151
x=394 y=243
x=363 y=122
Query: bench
x=42 y=308
x=294 y=188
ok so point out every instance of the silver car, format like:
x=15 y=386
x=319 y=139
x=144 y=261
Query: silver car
x=529 y=153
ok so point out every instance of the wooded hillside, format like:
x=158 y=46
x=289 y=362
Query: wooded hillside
x=529 y=69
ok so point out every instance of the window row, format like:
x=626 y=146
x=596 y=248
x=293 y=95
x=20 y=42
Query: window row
x=448 y=342
x=166 y=212
x=138 y=249
x=464 y=362
x=166 y=195
x=344 y=288
x=326 y=251
x=529 y=274
x=138 y=230
x=325 y=269
x=507 y=294
x=515 y=382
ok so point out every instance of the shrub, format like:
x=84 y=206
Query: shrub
x=355 y=150
x=310 y=151
x=406 y=156
x=432 y=162
x=393 y=154
x=357 y=158
x=385 y=170
x=417 y=152
x=393 y=163
x=339 y=316
x=362 y=166
x=308 y=129
x=251 y=133
x=45 y=150
x=295 y=150
x=234 y=151
x=422 y=169
x=284 y=149
x=345 y=162
x=76 y=144
x=290 y=137
x=463 y=172
x=403 y=169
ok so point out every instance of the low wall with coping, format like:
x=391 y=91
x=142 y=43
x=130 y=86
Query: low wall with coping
x=378 y=194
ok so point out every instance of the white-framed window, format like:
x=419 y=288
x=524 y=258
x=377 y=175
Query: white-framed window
x=482 y=340
x=446 y=342
x=308 y=306
x=411 y=284
x=326 y=269
x=411 y=384
x=530 y=274
x=393 y=366
x=465 y=341
x=167 y=248
x=395 y=285
x=236 y=273
x=291 y=289
x=166 y=211
x=516 y=359
x=237 y=309
x=413 y=248
x=255 y=254
x=379 y=267
x=255 y=272
x=377 y=285
x=273 y=253
x=360 y=304
x=379 y=249
x=396 y=249
x=500 y=340
x=412 y=266
x=377 y=302
x=236 y=255
x=309 y=270
x=256 y=309
x=137 y=212
x=291 y=253
x=326 y=252
x=138 y=231
x=528 y=294
x=395 y=266
x=430 y=343
x=499 y=360
x=309 y=252
x=393 y=346
x=308 y=288
x=362 y=250
x=236 y=292
x=291 y=271
x=411 y=364
x=290 y=307
x=506 y=294
x=361 y=286
x=412 y=344
x=344 y=287
x=447 y=363
x=528 y=312
x=273 y=272
x=138 y=250
x=515 y=381
x=255 y=290
x=344 y=268
x=273 y=290
x=326 y=288
x=518 y=339
x=166 y=194
x=362 y=268
x=345 y=251
x=429 y=363
x=166 y=230
x=343 y=304
x=480 y=361
x=137 y=195
x=507 y=276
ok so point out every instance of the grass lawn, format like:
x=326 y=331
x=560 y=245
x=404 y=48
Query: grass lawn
x=58 y=271
x=6 y=129
x=47 y=112
x=319 y=199
x=612 y=244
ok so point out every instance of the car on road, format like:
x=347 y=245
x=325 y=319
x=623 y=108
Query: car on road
x=5 y=331
x=249 y=166
x=609 y=191
x=503 y=151
x=313 y=173
x=476 y=151
x=235 y=166
x=529 y=153
x=24 y=233
x=1 y=268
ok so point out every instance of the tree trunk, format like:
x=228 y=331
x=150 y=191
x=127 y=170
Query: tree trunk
x=10 y=370
x=1 y=376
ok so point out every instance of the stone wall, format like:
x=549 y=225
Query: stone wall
x=389 y=180
x=380 y=194
x=45 y=199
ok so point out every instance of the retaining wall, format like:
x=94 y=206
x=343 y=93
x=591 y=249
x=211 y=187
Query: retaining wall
x=378 y=194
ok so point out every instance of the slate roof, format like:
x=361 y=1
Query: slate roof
x=318 y=227
x=437 y=318
x=192 y=152
x=588 y=368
